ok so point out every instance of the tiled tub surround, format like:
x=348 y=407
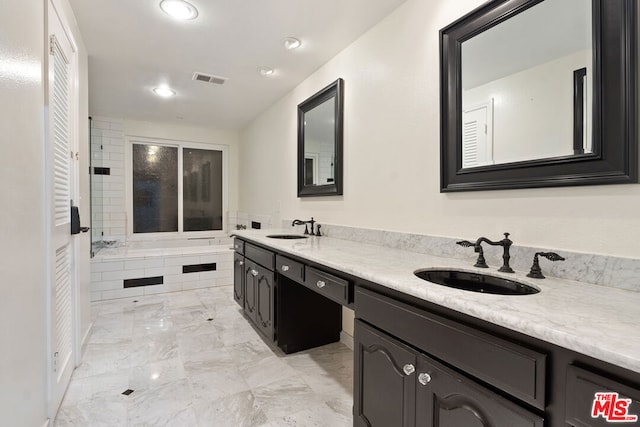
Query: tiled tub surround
x=600 y=270
x=597 y=321
x=182 y=265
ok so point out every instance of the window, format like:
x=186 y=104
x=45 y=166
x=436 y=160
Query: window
x=161 y=202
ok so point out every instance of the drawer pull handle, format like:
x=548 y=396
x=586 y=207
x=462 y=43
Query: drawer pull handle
x=424 y=378
x=408 y=369
x=285 y=268
x=254 y=273
x=321 y=284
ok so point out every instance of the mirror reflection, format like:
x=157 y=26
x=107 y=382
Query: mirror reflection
x=319 y=144
x=527 y=86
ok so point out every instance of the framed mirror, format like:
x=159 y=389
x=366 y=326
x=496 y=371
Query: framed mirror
x=539 y=93
x=320 y=129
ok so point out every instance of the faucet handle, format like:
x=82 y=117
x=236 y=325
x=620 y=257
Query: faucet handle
x=536 y=271
x=465 y=243
x=551 y=256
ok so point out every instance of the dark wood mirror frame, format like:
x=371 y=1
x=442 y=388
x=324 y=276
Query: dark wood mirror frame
x=334 y=90
x=615 y=129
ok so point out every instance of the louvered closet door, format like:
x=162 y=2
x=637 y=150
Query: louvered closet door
x=476 y=148
x=59 y=163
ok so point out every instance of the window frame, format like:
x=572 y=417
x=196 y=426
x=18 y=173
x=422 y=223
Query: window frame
x=180 y=145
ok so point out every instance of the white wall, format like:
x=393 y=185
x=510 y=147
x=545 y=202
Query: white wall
x=391 y=150
x=533 y=109
x=23 y=250
x=23 y=273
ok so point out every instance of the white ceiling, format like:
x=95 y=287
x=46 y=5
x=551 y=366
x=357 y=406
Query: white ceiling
x=133 y=47
x=547 y=31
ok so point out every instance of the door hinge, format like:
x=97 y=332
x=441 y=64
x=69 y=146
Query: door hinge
x=52 y=43
x=55 y=361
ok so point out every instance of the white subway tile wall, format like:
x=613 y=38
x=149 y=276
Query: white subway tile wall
x=109 y=270
x=107 y=141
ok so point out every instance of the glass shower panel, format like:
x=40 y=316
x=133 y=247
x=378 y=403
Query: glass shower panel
x=96 y=189
x=202 y=189
x=155 y=188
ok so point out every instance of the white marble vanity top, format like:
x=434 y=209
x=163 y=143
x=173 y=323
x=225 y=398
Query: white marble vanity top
x=597 y=321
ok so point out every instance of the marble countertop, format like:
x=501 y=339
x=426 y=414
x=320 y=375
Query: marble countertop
x=597 y=321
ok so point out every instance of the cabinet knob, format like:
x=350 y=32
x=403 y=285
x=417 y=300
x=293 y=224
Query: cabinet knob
x=424 y=378
x=321 y=284
x=409 y=369
x=285 y=268
x=254 y=273
x=241 y=262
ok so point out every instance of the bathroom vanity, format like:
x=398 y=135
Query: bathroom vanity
x=294 y=303
x=429 y=355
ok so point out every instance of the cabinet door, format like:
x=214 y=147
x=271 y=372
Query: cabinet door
x=446 y=398
x=250 y=288
x=265 y=301
x=238 y=279
x=596 y=400
x=384 y=380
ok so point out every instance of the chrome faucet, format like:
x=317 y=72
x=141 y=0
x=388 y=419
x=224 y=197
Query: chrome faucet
x=477 y=247
x=306 y=229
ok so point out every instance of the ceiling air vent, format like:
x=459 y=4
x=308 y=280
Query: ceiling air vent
x=208 y=78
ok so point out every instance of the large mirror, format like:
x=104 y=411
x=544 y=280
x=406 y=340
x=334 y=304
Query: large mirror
x=320 y=142
x=539 y=93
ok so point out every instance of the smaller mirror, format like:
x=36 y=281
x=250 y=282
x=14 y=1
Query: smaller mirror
x=320 y=142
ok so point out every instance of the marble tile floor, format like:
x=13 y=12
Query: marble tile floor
x=192 y=359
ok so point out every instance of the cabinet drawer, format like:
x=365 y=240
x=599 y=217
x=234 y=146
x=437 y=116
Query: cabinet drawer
x=290 y=268
x=582 y=386
x=328 y=285
x=262 y=256
x=514 y=369
x=238 y=245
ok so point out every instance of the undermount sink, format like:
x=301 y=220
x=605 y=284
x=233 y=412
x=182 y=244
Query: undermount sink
x=286 y=236
x=475 y=282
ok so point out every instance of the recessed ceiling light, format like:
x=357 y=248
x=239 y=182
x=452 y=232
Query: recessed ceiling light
x=291 y=43
x=179 y=9
x=265 y=71
x=164 y=91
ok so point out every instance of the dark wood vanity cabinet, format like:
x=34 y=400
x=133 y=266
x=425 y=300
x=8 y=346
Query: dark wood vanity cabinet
x=446 y=398
x=421 y=364
x=385 y=391
x=238 y=278
x=259 y=297
x=254 y=279
x=281 y=304
x=400 y=386
x=417 y=369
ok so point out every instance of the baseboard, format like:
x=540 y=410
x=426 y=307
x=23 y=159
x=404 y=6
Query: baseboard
x=346 y=339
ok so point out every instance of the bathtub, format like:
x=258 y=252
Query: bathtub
x=152 y=267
